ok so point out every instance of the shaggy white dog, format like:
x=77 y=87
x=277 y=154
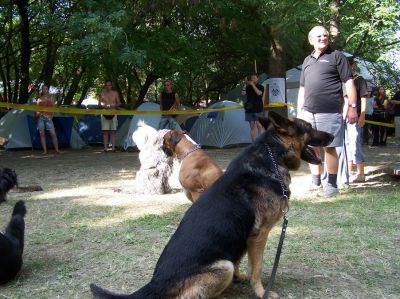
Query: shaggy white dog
x=155 y=166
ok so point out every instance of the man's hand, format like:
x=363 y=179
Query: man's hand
x=361 y=121
x=352 y=115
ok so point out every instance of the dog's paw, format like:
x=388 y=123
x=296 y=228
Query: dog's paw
x=273 y=295
x=239 y=277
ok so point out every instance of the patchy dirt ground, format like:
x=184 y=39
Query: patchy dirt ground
x=80 y=224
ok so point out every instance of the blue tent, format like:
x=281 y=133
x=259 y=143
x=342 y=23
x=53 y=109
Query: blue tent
x=89 y=127
x=63 y=127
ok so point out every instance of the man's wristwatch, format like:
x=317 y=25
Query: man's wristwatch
x=353 y=105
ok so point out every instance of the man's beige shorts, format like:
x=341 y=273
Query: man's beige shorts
x=109 y=124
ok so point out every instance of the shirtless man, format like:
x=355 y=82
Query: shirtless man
x=109 y=99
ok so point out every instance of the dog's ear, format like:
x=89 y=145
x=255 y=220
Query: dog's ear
x=176 y=136
x=279 y=122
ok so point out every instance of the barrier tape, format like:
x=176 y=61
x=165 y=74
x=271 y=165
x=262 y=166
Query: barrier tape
x=380 y=124
x=71 y=110
x=80 y=111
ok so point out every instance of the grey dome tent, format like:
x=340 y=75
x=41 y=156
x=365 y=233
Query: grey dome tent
x=221 y=128
x=17 y=129
x=151 y=120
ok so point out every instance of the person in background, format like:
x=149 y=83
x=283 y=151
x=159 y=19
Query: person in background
x=395 y=101
x=169 y=101
x=320 y=102
x=253 y=105
x=354 y=150
x=367 y=131
x=45 y=120
x=109 y=99
x=380 y=115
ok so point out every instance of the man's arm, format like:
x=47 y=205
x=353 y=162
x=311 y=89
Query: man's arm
x=361 y=120
x=300 y=100
x=256 y=90
x=177 y=102
x=352 y=96
x=117 y=101
x=101 y=100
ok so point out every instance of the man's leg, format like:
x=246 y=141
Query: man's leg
x=332 y=165
x=253 y=130
x=105 y=139
x=42 y=134
x=112 y=137
x=54 y=139
x=316 y=171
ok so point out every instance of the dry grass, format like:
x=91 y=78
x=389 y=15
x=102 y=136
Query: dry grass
x=88 y=225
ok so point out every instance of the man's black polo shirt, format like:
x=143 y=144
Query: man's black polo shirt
x=322 y=79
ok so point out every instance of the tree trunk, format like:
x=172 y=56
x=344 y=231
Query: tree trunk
x=334 y=24
x=22 y=6
x=47 y=72
x=277 y=66
x=150 y=79
x=74 y=87
x=85 y=90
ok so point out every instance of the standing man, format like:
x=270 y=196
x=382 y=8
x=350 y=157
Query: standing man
x=354 y=131
x=45 y=120
x=253 y=105
x=169 y=101
x=320 y=102
x=109 y=99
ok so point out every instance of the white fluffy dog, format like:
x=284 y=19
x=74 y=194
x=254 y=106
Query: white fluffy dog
x=155 y=166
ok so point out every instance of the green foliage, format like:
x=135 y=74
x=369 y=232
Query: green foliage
x=205 y=46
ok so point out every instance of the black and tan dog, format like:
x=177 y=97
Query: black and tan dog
x=233 y=216
x=198 y=171
x=8 y=180
x=12 y=244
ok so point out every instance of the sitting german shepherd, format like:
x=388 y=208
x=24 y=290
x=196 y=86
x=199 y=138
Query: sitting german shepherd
x=233 y=216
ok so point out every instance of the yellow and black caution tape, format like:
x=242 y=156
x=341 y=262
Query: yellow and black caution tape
x=80 y=111
x=378 y=123
x=73 y=110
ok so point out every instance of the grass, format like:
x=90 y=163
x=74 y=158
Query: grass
x=345 y=247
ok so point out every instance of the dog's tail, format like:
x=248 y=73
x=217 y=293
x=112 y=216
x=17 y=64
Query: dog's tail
x=145 y=292
x=16 y=227
x=19 y=209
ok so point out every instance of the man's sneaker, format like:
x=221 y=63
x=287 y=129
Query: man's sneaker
x=328 y=191
x=313 y=187
x=358 y=178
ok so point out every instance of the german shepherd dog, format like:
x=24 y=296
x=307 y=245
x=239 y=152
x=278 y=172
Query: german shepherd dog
x=232 y=217
x=12 y=244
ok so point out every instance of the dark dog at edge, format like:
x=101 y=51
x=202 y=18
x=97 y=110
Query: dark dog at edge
x=12 y=244
x=197 y=171
x=232 y=217
x=8 y=179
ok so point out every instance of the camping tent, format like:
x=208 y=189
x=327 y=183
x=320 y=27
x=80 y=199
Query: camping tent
x=151 y=120
x=89 y=128
x=17 y=128
x=186 y=121
x=223 y=128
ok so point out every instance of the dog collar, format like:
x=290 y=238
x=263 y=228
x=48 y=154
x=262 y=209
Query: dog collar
x=195 y=148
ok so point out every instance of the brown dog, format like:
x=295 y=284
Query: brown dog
x=197 y=171
x=232 y=217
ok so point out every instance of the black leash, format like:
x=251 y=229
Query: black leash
x=277 y=257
